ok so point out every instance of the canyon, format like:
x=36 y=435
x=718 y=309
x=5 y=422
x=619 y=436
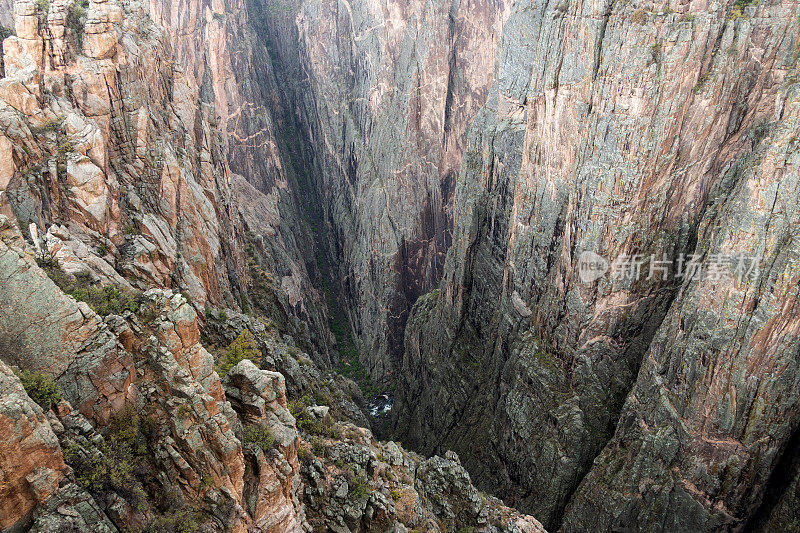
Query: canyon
x=316 y=265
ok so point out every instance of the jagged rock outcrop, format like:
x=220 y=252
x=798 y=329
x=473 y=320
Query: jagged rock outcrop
x=102 y=135
x=354 y=483
x=44 y=330
x=259 y=398
x=153 y=361
x=638 y=147
x=31 y=462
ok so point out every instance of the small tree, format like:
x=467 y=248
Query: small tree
x=243 y=347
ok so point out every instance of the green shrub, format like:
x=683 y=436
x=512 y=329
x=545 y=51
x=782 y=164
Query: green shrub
x=180 y=521
x=55 y=125
x=318 y=447
x=261 y=435
x=111 y=466
x=42 y=8
x=303 y=455
x=184 y=411
x=359 y=487
x=322 y=398
x=243 y=347
x=655 y=54
x=40 y=387
x=639 y=16
x=701 y=82
x=294 y=351
x=75 y=21
x=108 y=300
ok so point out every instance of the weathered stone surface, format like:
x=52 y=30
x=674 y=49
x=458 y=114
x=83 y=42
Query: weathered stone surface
x=247 y=153
x=44 y=330
x=154 y=192
x=354 y=483
x=452 y=497
x=715 y=401
x=72 y=509
x=614 y=129
x=273 y=490
x=196 y=439
x=74 y=257
x=31 y=464
x=255 y=393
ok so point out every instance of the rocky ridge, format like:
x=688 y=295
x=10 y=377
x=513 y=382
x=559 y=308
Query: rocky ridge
x=176 y=445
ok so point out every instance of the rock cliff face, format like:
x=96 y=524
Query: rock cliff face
x=104 y=137
x=30 y=457
x=205 y=206
x=109 y=133
x=380 y=94
x=630 y=129
x=221 y=47
x=394 y=85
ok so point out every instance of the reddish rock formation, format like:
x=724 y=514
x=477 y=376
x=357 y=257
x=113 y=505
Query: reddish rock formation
x=31 y=464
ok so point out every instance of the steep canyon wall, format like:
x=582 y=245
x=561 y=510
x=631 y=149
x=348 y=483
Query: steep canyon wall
x=621 y=129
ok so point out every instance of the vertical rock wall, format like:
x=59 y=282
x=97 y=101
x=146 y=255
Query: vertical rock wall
x=383 y=93
x=613 y=129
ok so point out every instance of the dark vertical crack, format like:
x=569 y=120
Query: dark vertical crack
x=777 y=495
x=598 y=47
x=451 y=68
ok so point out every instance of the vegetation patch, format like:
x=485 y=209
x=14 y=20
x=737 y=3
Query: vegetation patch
x=40 y=387
x=112 y=466
x=76 y=19
x=304 y=455
x=306 y=422
x=639 y=16
x=359 y=487
x=42 y=8
x=261 y=435
x=180 y=521
x=108 y=300
x=738 y=8
x=701 y=82
x=350 y=361
x=243 y=347
x=655 y=54
x=349 y=358
x=318 y=447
